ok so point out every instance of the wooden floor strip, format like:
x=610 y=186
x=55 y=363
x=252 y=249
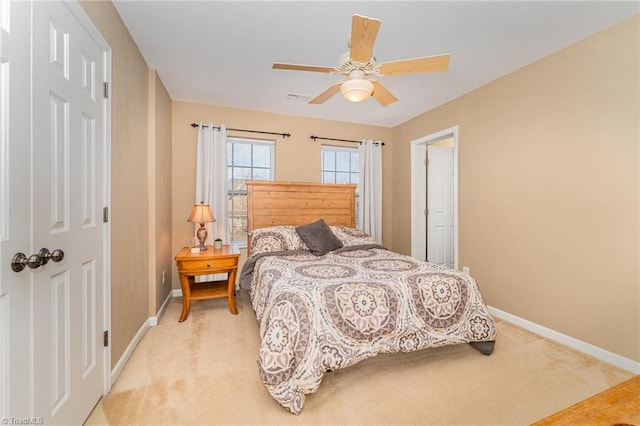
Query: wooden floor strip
x=619 y=405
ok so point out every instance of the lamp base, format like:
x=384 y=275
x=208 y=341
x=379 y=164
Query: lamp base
x=202 y=236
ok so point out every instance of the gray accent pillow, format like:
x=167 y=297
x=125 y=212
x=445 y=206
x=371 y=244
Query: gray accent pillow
x=318 y=237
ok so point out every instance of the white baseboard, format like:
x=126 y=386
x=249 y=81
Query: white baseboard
x=150 y=322
x=153 y=321
x=115 y=372
x=595 y=351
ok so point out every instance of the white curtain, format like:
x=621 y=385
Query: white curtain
x=370 y=188
x=211 y=178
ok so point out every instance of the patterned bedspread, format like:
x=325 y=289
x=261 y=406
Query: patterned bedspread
x=321 y=313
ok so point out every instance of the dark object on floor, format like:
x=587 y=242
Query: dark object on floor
x=485 y=348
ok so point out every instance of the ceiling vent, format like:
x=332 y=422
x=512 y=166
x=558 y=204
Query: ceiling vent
x=298 y=97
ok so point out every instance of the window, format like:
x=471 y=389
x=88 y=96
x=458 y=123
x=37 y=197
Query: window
x=247 y=159
x=340 y=165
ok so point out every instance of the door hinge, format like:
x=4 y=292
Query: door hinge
x=426 y=212
x=105 y=214
x=105 y=93
x=105 y=338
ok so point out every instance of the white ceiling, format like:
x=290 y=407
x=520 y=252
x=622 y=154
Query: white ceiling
x=221 y=52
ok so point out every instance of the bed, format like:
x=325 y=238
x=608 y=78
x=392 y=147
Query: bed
x=327 y=295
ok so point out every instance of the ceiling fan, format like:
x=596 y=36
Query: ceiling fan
x=361 y=70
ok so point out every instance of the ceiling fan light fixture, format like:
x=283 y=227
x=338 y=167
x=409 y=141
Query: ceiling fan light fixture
x=359 y=64
x=356 y=89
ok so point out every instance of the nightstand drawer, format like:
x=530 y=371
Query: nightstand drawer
x=208 y=264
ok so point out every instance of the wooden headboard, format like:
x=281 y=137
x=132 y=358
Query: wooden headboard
x=296 y=203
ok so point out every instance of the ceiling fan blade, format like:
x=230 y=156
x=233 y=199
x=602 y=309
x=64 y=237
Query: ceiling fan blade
x=364 y=31
x=382 y=95
x=328 y=93
x=412 y=66
x=295 y=67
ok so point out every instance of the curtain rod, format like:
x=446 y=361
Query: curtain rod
x=340 y=140
x=284 y=135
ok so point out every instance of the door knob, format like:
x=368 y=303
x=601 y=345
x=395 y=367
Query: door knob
x=55 y=256
x=20 y=260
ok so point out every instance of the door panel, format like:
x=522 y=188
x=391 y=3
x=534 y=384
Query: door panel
x=440 y=224
x=15 y=212
x=68 y=167
x=52 y=190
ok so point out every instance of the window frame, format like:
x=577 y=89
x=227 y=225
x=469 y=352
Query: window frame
x=352 y=150
x=232 y=192
x=334 y=149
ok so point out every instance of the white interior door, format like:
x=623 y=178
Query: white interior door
x=15 y=211
x=447 y=137
x=440 y=220
x=64 y=158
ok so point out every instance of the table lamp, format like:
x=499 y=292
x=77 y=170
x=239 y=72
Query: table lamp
x=201 y=213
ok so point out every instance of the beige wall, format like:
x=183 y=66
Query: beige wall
x=160 y=186
x=549 y=189
x=297 y=158
x=132 y=204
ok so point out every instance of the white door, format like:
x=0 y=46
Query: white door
x=15 y=210
x=66 y=182
x=440 y=221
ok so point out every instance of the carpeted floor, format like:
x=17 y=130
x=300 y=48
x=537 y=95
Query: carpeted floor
x=204 y=371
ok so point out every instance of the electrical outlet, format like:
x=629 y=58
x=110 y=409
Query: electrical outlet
x=164 y=277
x=465 y=269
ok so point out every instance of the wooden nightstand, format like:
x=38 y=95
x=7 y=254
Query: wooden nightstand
x=207 y=262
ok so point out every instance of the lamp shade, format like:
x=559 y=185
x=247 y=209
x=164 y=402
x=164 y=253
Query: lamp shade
x=356 y=89
x=201 y=213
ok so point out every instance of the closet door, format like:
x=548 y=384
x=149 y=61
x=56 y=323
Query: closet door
x=16 y=359
x=53 y=360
